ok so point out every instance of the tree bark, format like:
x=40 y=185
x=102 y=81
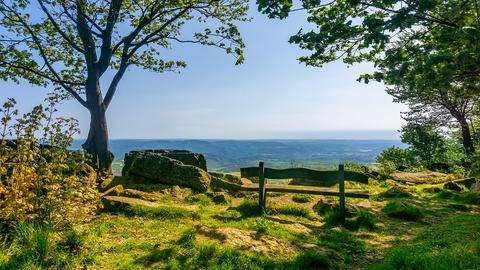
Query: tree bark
x=466 y=136
x=97 y=144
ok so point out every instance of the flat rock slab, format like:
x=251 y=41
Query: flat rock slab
x=425 y=177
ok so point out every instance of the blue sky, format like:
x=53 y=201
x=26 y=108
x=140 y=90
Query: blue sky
x=271 y=95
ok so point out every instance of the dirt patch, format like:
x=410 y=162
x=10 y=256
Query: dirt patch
x=246 y=240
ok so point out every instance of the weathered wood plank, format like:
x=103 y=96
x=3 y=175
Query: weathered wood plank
x=249 y=172
x=349 y=193
x=324 y=176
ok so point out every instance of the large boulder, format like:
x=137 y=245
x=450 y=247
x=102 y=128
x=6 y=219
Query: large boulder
x=184 y=156
x=159 y=168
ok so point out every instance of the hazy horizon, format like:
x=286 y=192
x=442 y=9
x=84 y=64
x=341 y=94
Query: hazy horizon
x=297 y=135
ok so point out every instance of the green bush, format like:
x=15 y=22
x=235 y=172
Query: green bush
x=40 y=179
x=394 y=158
x=262 y=225
x=302 y=198
x=249 y=208
x=35 y=246
x=402 y=210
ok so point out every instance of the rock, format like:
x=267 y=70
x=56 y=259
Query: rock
x=245 y=181
x=325 y=205
x=452 y=186
x=467 y=182
x=164 y=170
x=423 y=177
x=475 y=188
x=180 y=193
x=219 y=197
x=218 y=183
x=148 y=196
x=184 y=156
x=118 y=189
x=227 y=177
x=120 y=203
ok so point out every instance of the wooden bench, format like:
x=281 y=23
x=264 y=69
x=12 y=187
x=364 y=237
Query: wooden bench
x=330 y=178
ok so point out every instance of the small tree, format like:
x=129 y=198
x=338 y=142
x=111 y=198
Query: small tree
x=71 y=44
x=430 y=146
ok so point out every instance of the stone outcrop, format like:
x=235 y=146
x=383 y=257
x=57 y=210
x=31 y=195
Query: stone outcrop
x=157 y=167
x=184 y=156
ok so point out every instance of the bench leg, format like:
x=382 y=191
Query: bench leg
x=261 y=187
x=341 y=186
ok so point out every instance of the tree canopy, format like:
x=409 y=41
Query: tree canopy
x=425 y=51
x=71 y=44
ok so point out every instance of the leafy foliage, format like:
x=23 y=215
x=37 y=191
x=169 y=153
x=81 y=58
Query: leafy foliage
x=43 y=181
x=397 y=157
x=430 y=146
x=71 y=45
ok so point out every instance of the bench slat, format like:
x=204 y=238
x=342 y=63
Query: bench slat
x=351 y=193
x=328 y=177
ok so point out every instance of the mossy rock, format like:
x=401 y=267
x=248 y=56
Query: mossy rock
x=402 y=210
x=164 y=170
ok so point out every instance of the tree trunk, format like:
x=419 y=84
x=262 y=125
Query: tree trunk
x=97 y=144
x=466 y=135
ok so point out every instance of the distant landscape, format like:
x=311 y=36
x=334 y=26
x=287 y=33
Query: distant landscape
x=230 y=155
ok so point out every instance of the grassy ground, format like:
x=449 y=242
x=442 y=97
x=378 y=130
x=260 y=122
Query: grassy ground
x=400 y=228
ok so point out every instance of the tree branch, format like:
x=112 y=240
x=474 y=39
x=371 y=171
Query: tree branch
x=57 y=27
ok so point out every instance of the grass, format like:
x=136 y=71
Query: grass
x=361 y=219
x=158 y=212
x=302 y=198
x=35 y=247
x=453 y=244
x=168 y=236
x=249 y=208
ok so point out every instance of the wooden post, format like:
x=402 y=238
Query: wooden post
x=261 y=186
x=341 y=187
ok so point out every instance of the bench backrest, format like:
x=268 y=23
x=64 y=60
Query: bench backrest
x=326 y=177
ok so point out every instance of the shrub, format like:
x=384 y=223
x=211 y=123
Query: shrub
x=302 y=198
x=396 y=158
x=34 y=245
x=402 y=210
x=262 y=225
x=43 y=181
x=249 y=208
